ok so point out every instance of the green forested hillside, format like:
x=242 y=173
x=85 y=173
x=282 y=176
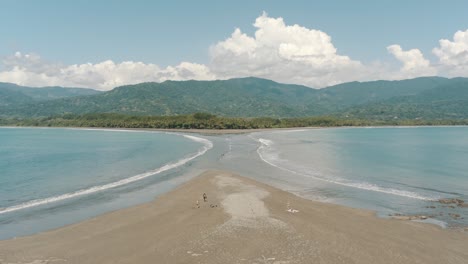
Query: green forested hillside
x=246 y=97
x=8 y=97
x=358 y=93
x=12 y=94
x=447 y=101
x=420 y=98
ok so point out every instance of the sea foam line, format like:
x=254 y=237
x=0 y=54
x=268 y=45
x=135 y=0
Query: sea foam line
x=265 y=143
x=207 y=146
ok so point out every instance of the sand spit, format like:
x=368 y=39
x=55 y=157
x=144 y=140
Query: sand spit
x=242 y=221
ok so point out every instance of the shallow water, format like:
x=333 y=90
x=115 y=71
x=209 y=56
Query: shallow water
x=81 y=173
x=389 y=170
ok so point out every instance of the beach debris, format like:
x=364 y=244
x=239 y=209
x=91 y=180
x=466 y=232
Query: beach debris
x=409 y=217
x=205 y=198
x=193 y=254
x=213 y=205
x=266 y=260
x=289 y=209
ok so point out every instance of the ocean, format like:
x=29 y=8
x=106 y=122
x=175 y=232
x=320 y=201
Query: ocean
x=397 y=170
x=54 y=177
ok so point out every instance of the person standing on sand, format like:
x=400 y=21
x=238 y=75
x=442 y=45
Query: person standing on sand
x=204 y=197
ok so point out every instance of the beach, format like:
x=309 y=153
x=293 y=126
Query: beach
x=242 y=221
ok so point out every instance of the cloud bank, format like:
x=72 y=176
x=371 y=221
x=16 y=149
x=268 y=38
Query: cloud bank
x=31 y=70
x=277 y=51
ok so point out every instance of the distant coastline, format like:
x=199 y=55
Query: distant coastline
x=229 y=131
x=208 y=123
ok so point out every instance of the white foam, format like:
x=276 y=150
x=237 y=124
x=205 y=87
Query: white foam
x=270 y=159
x=207 y=145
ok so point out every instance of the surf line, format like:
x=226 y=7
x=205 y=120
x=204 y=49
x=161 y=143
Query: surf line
x=207 y=145
x=265 y=143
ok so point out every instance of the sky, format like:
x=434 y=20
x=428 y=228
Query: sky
x=104 y=44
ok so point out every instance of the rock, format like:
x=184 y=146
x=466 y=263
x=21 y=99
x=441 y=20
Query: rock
x=445 y=201
x=431 y=206
x=463 y=205
x=454 y=216
x=451 y=201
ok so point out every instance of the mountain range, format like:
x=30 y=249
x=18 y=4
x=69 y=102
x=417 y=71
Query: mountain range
x=420 y=98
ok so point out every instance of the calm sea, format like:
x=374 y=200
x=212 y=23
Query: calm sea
x=391 y=170
x=45 y=172
x=53 y=177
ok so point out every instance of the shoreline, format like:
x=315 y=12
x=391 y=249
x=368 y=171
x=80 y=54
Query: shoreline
x=189 y=131
x=241 y=214
x=182 y=132
x=228 y=131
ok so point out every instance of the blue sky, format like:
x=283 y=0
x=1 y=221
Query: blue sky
x=171 y=32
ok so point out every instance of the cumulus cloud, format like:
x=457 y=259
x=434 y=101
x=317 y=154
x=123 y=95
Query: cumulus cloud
x=289 y=53
x=453 y=55
x=414 y=63
x=276 y=50
x=31 y=70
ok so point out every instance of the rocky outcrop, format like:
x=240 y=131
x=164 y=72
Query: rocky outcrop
x=454 y=216
x=451 y=201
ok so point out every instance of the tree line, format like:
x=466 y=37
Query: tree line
x=209 y=121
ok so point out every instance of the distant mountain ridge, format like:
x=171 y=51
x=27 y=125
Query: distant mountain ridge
x=12 y=94
x=425 y=97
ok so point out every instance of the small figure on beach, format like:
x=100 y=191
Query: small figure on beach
x=205 y=197
x=198 y=205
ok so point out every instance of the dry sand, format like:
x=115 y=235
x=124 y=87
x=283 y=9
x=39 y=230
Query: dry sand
x=243 y=221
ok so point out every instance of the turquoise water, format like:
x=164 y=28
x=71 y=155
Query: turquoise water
x=53 y=177
x=46 y=170
x=391 y=170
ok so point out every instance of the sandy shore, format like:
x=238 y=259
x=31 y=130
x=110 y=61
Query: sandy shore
x=243 y=221
x=192 y=130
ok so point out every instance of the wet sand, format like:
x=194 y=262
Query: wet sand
x=243 y=221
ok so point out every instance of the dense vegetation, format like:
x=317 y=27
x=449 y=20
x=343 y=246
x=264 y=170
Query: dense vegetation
x=12 y=95
x=406 y=101
x=447 y=101
x=207 y=121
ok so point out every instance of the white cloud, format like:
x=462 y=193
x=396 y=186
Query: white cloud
x=31 y=70
x=414 y=63
x=277 y=51
x=453 y=55
x=288 y=53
